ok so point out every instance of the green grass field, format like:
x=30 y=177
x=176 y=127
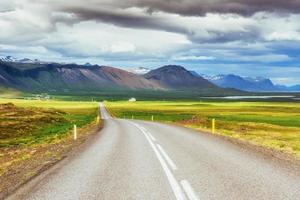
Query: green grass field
x=26 y=122
x=35 y=134
x=269 y=124
x=9 y=93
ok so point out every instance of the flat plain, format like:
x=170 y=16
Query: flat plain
x=274 y=125
x=35 y=134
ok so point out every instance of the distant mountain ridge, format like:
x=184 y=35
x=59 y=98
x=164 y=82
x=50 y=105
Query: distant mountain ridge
x=57 y=78
x=294 y=88
x=257 y=84
x=94 y=76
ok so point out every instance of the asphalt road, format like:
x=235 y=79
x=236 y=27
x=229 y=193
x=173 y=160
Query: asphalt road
x=132 y=159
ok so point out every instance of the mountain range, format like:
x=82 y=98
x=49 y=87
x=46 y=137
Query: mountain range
x=37 y=76
x=251 y=84
x=72 y=78
x=257 y=84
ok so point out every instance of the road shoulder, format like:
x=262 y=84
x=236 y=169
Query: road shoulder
x=45 y=157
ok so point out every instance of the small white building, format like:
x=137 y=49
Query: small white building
x=132 y=99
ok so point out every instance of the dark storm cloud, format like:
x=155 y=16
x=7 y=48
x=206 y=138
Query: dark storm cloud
x=120 y=13
x=252 y=34
x=201 y=7
x=124 y=19
x=181 y=7
x=145 y=20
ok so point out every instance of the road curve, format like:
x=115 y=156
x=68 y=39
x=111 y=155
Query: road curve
x=131 y=159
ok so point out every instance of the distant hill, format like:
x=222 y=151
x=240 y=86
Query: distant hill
x=294 y=88
x=238 y=82
x=257 y=84
x=177 y=77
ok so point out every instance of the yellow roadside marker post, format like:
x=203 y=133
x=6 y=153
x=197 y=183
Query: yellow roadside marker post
x=75 y=132
x=152 y=118
x=98 y=119
x=213 y=126
x=131 y=116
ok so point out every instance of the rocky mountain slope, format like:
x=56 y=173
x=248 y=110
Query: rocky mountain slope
x=56 y=77
x=177 y=77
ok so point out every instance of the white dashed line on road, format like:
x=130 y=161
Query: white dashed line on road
x=189 y=190
x=165 y=159
x=179 y=194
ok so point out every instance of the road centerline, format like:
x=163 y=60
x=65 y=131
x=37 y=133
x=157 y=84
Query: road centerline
x=151 y=136
x=189 y=190
x=167 y=158
x=177 y=190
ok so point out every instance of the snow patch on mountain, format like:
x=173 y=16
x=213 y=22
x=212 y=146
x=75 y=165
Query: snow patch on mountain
x=139 y=70
x=23 y=60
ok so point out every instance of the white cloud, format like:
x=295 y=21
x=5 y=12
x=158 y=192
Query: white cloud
x=279 y=28
x=91 y=39
x=39 y=52
x=7 y=5
x=122 y=47
x=192 y=58
x=286 y=80
x=283 y=35
x=265 y=58
x=112 y=31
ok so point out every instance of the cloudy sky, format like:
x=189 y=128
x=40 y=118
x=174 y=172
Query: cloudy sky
x=249 y=38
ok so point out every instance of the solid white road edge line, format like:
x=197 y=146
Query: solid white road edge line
x=189 y=190
x=167 y=158
x=173 y=182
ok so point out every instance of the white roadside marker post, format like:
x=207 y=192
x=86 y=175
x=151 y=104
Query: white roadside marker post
x=75 y=132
